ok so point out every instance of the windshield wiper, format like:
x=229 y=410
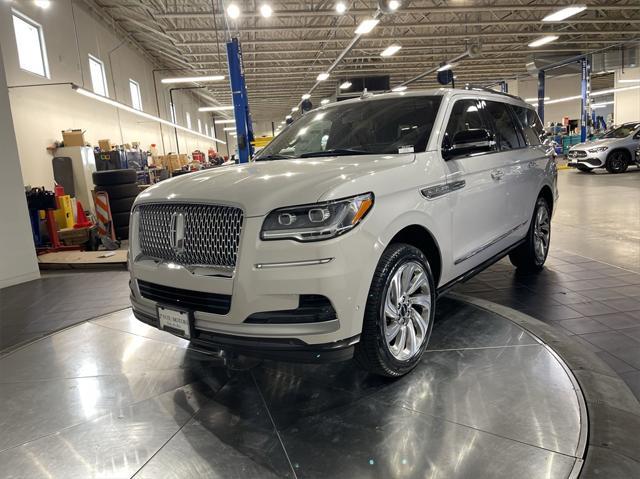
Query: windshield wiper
x=274 y=157
x=334 y=152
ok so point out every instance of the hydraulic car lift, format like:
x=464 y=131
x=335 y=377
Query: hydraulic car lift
x=244 y=127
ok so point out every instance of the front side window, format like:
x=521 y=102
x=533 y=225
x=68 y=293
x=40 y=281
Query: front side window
x=32 y=54
x=98 y=77
x=136 y=98
x=465 y=115
x=531 y=124
x=507 y=135
x=376 y=126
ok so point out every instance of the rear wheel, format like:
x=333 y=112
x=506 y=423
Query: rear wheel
x=617 y=161
x=399 y=313
x=531 y=255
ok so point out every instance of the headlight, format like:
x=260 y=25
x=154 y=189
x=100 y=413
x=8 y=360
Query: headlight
x=598 y=149
x=317 y=221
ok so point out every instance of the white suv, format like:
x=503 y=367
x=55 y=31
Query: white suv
x=337 y=240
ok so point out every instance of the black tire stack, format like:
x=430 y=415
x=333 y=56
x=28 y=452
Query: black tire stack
x=122 y=188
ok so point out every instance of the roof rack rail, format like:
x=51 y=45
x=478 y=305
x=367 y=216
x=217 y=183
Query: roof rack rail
x=469 y=86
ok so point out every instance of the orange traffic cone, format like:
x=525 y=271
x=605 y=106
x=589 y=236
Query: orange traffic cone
x=83 y=221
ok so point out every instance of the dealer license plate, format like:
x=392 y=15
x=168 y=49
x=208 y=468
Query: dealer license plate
x=176 y=322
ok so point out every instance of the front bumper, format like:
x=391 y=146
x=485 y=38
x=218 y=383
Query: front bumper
x=592 y=160
x=277 y=349
x=270 y=277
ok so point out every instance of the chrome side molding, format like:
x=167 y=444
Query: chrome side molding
x=489 y=244
x=439 y=190
x=293 y=263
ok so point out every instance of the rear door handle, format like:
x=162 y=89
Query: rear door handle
x=497 y=174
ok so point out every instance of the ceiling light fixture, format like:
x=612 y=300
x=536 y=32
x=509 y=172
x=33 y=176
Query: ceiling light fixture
x=531 y=100
x=629 y=80
x=393 y=5
x=266 y=10
x=44 y=4
x=543 y=41
x=288 y=117
x=233 y=11
x=306 y=96
x=399 y=88
x=341 y=8
x=198 y=79
x=345 y=85
x=140 y=113
x=601 y=105
x=216 y=108
x=564 y=13
x=295 y=108
x=614 y=90
x=445 y=67
x=366 y=26
x=224 y=122
x=322 y=76
x=390 y=50
x=325 y=101
x=230 y=128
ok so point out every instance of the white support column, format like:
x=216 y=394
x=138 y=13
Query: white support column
x=17 y=252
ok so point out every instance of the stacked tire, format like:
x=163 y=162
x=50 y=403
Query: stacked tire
x=122 y=188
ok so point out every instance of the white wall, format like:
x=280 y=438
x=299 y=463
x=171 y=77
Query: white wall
x=17 y=254
x=627 y=103
x=41 y=112
x=555 y=87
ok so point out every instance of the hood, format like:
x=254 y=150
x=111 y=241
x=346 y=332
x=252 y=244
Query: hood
x=598 y=142
x=262 y=186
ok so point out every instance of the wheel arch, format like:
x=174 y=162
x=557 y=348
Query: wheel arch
x=547 y=194
x=621 y=149
x=420 y=237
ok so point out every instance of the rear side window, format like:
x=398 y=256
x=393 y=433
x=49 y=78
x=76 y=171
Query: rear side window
x=506 y=132
x=531 y=124
x=465 y=115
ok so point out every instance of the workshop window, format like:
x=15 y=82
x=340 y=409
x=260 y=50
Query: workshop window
x=98 y=77
x=136 y=97
x=32 y=54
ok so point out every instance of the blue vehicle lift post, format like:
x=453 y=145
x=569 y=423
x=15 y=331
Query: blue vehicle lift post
x=244 y=127
x=584 y=113
x=541 y=95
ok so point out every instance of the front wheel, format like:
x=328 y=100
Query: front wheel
x=617 y=162
x=531 y=255
x=399 y=313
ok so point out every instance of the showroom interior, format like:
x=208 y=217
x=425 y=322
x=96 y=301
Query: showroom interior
x=161 y=315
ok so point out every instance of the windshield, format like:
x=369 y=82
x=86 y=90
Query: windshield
x=622 y=131
x=385 y=126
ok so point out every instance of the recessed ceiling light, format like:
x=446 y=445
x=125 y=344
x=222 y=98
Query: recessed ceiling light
x=390 y=50
x=322 y=76
x=564 y=13
x=325 y=101
x=266 y=10
x=233 y=11
x=345 y=85
x=543 y=41
x=341 y=8
x=366 y=26
x=193 y=79
x=306 y=96
x=399 y=88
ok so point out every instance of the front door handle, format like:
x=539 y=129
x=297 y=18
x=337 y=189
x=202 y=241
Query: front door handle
x=497 y=174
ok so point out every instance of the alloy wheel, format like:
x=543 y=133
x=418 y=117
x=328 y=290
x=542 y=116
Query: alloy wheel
x=407 y=311
x=541 y=233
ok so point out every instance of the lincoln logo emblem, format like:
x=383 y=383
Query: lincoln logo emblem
x=176 y=237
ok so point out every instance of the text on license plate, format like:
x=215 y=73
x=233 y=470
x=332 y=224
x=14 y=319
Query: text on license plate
x=176 y=322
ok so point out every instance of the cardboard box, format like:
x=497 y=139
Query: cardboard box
x=73 y=138
x=173 y=162
x=105 y=145
x=74 y=237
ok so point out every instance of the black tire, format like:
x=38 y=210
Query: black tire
x=114 y=177
x=122 y=205
x=120 y=219
x=618 y=161
x=584 y=169
x=122 y=233
x=524 y=257
x=117 y=192
x=372 y=353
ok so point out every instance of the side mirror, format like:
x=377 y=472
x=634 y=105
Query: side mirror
x=469 y=142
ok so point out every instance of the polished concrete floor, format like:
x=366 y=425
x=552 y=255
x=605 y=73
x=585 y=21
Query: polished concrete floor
x=115 y=398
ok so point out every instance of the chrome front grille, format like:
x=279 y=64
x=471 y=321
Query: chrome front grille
x=206 y=235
